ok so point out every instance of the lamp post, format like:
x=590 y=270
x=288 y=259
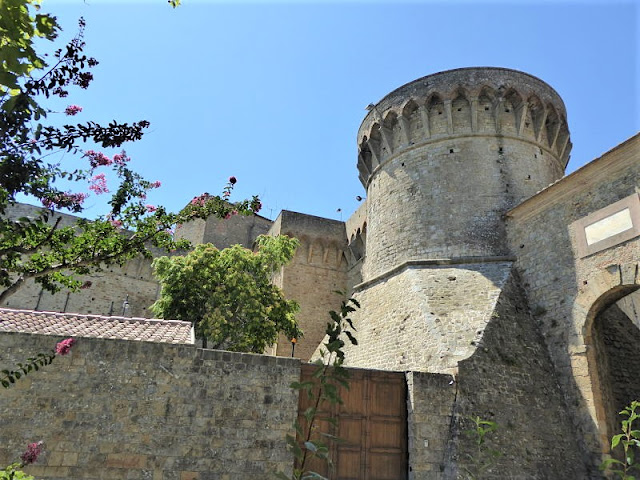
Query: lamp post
x=293 y=346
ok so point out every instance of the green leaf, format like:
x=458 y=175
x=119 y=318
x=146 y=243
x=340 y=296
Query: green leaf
x=608 y=462
x=351 y=337
x=311 y=446
x=615 y=440
x=309 y=413
x=313 y=476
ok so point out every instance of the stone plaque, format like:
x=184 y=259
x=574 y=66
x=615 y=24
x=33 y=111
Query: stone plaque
x=608 y=226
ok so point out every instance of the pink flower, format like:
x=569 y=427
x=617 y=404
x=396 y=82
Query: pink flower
x=97 y=159
x=121 y=158
x=151 y=208
x=69 y=200
x=32 y=453
x=99 y=184
x=63 y=347
x=233 y=180
x=200 y=200
x=71 y=110
x=116 y=223
x=155 y=184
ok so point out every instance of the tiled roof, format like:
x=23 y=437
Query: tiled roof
x=97 y=326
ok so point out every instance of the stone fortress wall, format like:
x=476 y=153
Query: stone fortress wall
x=478 y=271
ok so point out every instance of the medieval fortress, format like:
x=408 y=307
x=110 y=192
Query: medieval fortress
x=500 y=287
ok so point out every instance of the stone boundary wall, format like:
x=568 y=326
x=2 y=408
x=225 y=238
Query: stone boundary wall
x=138 y=410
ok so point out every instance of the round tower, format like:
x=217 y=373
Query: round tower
x=442 y=159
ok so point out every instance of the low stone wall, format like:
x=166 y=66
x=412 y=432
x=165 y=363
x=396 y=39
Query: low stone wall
x=139 y=410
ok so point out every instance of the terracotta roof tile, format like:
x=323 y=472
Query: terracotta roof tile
x=97 y=326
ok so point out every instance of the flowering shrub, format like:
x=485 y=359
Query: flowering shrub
x=34 y=160
x=99 y=184
x=121 y=158
x=72 y=201
x=8 y=378
x=72 y=110
x=97 y=159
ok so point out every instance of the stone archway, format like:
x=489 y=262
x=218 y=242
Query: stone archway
x=613 y=352
x=611 y=355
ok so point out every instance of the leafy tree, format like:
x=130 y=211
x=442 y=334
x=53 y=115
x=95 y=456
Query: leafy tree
x=228 y=293
x=41 y=248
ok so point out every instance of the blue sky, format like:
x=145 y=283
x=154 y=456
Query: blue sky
x=274 y=92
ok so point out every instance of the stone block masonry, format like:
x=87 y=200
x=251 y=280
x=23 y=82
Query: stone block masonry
x=138 y=410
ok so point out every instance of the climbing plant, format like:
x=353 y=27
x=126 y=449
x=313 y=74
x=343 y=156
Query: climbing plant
x=323 y=389
x=629 y=441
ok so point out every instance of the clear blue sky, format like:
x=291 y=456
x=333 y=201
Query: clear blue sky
x=274 y=93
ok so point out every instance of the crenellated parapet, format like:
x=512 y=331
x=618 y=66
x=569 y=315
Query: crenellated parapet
x=466 y=102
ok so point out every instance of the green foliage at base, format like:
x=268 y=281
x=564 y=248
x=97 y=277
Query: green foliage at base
x=12 y=473
x=482 y=458
x=629 y=440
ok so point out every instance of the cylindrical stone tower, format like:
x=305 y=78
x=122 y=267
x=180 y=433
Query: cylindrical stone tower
x=442 y=159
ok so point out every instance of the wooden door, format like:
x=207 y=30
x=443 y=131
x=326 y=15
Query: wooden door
x=371 y=425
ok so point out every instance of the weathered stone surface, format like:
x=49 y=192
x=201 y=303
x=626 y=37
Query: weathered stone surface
x=135 y=410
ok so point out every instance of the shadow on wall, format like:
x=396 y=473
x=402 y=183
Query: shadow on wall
x=511 y=380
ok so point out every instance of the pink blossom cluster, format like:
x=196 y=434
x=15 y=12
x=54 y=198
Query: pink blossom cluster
x=156 y=184
x=230 y=214
x=200 y=200
x=65 y=200
x=63 y=347
x=32 y=453
x=99 y=184
x=97 y=159
x=121 y=158
x=151 y=208
x=71 y=110
x=116 y=223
